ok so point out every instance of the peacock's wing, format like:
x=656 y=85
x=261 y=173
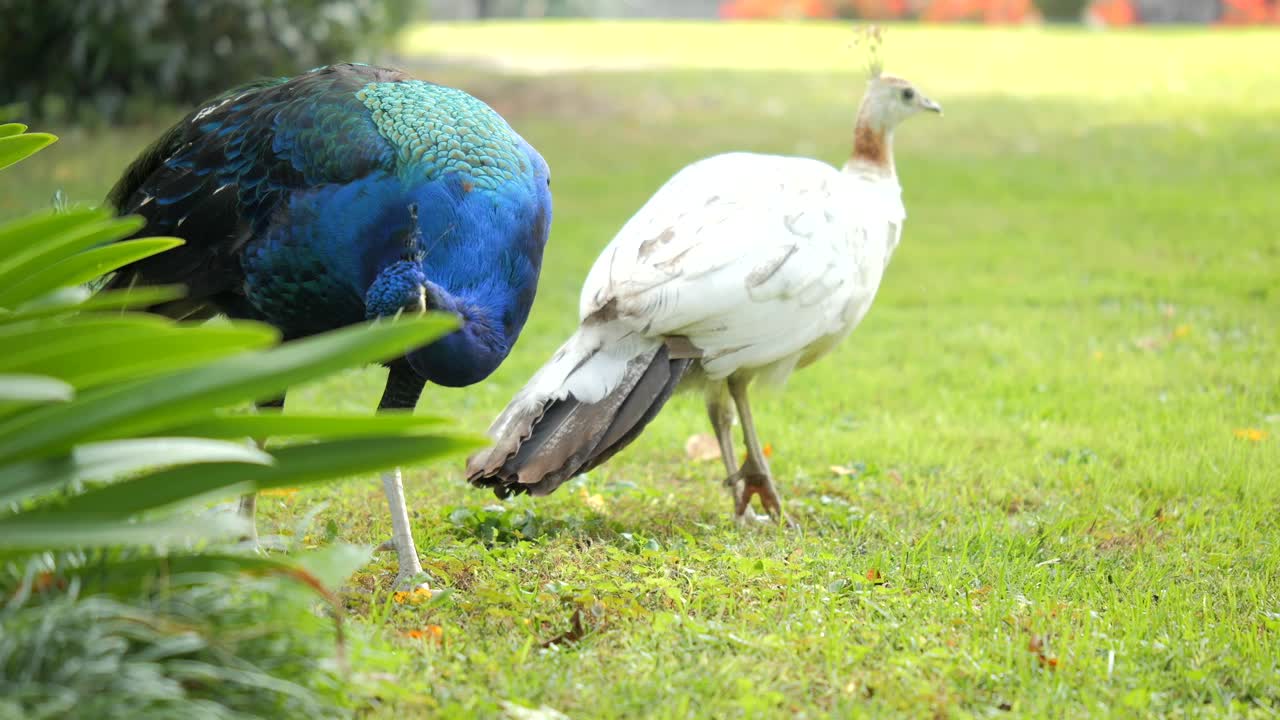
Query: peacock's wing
x=225 y=171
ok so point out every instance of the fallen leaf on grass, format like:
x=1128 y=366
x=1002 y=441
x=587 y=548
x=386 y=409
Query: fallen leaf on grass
x=595 y=502
x=702 y=447
x=1251 y=434
x=431 y=632
x=1038 y=645
x=570 y=636
x=417 y=596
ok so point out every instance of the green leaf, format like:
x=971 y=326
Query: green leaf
x=124 y=577
x=83 y=267
x=49 y=249
x=270 y=423
x=295 y=466
x=94 y=462
x=34 y=229
x=27 y=388
x=10 y=129
x=39 y=532
x=50 y=338
x=79 y=299
x=148 y=405
x=17 y=147
x=148 y=352
x=122 y=346
x=332 y=565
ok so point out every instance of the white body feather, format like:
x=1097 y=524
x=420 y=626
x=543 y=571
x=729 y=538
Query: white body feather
x=764 y=263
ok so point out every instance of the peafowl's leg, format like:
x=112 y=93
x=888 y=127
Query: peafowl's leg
x=402 y=392
x=721 y=414
x=249 y=501
x=756 y=478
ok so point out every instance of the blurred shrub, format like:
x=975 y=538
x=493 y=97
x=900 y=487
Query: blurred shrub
x=226 y=648
x=114 y=59
x=1063 y=10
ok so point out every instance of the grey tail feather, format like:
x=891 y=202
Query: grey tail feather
x=572 y=437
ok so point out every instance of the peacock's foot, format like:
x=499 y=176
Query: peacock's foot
x=411 y=577
x=413 y=582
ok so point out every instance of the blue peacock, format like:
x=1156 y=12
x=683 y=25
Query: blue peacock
x=348 y=193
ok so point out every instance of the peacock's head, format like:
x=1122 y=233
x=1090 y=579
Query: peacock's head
x=400 y=287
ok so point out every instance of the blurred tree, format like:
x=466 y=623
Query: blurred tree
x=114 y=59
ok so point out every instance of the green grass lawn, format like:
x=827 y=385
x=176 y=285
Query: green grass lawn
x=1043 y=476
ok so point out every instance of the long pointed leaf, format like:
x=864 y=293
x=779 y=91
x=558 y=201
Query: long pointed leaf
x=109 y=460
x=17 y=147
x=296 y=465
x=39 y=532
x=181 y=397
x=264 y=424
x=83 y=267
x=155 y=352
x=49 y=250
x=126 y=576
x=85 y=301
x=34 y=229
x=28 y=388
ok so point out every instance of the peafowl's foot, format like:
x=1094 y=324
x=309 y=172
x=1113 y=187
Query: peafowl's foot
x=413 y=582
x=743 y=515
x=760 y=484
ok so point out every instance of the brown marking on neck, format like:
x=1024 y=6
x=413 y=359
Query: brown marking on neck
x=869 y=146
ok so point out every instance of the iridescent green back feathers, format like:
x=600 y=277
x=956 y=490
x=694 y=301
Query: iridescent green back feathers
x=436 y=129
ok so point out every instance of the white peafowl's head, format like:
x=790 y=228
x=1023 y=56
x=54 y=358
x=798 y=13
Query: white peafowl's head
x=890 y=100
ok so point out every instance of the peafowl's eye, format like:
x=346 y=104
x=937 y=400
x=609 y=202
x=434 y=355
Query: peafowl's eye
x=908 y=95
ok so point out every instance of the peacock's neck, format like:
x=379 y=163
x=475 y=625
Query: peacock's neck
x=872 y=147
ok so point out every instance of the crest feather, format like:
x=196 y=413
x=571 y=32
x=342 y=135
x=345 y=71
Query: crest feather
x=871 y=38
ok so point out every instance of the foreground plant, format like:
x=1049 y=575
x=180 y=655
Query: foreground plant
x=116 y=428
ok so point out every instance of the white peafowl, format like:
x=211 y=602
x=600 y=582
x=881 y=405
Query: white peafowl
x=741 y=267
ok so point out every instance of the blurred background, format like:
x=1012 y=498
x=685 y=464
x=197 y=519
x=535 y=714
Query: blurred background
x=113 y=60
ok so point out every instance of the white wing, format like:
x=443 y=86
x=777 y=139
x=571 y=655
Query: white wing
x=756 y=259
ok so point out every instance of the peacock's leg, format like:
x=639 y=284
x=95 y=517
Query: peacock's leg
x=248 y=510
x=249 y=501
x=401 y=393
x=721 y=414
x=756 y=478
